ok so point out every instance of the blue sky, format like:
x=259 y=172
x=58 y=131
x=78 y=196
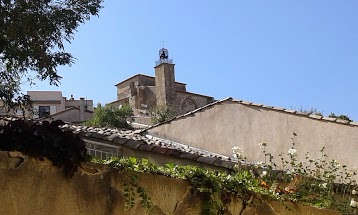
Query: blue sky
x=292 y=54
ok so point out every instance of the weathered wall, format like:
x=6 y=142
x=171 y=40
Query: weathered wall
x=186 y=101
x=229 y=124
x=76 y=103
x=72 y=115
x=45 y=95
x=165 y=85
x=31 y=186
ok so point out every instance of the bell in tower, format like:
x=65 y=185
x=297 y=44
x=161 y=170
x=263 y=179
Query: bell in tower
x=163 y=53
x=163 y=57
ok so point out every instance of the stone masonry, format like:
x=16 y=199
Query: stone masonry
x=143 y=93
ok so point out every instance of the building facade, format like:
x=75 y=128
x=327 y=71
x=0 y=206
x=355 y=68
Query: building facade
x=142 y=92
x=51 y=104
x=220 y=126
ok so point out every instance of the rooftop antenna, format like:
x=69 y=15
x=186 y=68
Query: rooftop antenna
x=163 y=43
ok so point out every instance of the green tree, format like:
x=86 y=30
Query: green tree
x=111 y=117
x=32 y=36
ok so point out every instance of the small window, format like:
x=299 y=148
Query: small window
x=44 y=111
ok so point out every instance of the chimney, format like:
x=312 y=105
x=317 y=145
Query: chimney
x=82 y=109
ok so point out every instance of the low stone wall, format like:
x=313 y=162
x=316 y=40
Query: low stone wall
x=34 y=186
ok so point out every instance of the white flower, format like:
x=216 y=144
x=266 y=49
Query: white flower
x=324 y=185
x=336 y=163
x=262 y=144
x=354 y=192
x=237 y=152
x=292 y=151
x=263 y=174
x=290 y=171
x=353 y=203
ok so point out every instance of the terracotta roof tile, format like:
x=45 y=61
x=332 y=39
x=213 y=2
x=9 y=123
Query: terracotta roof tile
x=330 y=119
x=290 y=111
x=258 y=105
x=150 y=143
x=207 y=160
x=245 y=102
x=146 y=147
x=111 y=137
x=120 y=140
x=174 y=152
x=354 y=123
x=315 y=116
x=133 y=144
x=276 y=108
x=190 y=156
x=342 y=121
x=160 y=149
x=224 y=163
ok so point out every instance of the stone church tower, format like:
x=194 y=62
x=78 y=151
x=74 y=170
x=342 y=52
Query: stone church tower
x=143 y=93
x=165 y=80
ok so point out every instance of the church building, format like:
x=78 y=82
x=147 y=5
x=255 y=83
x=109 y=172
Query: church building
x=142 y=92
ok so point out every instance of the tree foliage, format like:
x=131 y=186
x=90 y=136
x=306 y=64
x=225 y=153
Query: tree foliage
x=111 y=117
x=45 y=139
x=32 y=37
x=161 y=114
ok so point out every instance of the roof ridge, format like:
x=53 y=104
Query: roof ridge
x=139 y=74
x=248 y=103
x=188 y=113
x=298 y=113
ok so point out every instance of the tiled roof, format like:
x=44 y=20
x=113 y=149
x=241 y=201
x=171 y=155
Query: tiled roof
x=247 y=103
x=147 y=143
x=136 y=141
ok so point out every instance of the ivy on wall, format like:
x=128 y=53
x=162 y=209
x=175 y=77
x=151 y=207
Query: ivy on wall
x=309 y=186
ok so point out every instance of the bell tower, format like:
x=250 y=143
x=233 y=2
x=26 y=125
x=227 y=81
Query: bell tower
x=165 y=80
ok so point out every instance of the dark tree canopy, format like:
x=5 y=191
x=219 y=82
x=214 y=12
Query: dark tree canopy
x=32 y=36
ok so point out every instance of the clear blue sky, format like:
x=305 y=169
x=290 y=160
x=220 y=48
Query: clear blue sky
x=291 y=54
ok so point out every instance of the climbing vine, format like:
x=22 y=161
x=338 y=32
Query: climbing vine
x=254 y=184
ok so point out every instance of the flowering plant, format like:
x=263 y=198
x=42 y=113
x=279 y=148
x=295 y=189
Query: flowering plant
x=316 y=181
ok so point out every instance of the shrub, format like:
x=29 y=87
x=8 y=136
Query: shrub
x=108 y=116
x=161 y=114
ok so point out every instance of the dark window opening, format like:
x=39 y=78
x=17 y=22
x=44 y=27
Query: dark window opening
x=44 y=111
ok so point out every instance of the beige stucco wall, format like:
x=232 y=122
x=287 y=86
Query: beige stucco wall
x=31 y=186
x=76 y=103
x=229 y=124
x=45 y=95
x=72 y=115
